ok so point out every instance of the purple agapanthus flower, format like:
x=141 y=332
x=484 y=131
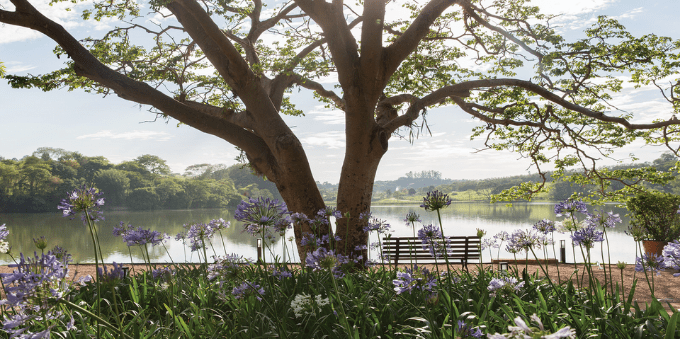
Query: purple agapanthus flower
x=116 y=273
x=431 y=237
x=84 y=200
x=417 y=278
x=650 y=262
x=329 y=211
x=377 y=225
x=139 y=236
x=281 y=273
x=570 y=206
x=310 y=239
x=545 y=226
x=198 y=233
x=31 y=290
x=523 y=240
x=34 y=279
x=365 y=215
x=467 y=331
x=435 y=201
x=4 y=232
x=162 y=273
x=298 y=218
x=504 y=286
x=671 y=256
x=489 y=243
x=246 y=289
x=608 y=220
x=325 y=260
x=412 y=218
x=260 y=214
x=587 y=237
x=227 y=267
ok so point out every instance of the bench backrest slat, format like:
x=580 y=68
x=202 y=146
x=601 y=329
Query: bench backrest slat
x=459 y=248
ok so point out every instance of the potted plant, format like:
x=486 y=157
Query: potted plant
x=654 y=219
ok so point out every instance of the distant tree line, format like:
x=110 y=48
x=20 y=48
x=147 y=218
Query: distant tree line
x=36 y=183
x=424 y=181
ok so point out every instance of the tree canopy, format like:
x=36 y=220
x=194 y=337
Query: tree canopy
x=226 y=67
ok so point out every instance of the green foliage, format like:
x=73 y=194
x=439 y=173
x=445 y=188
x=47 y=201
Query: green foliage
x=35 y=183
x=114 y=183
x=144 y=198
x=656 y=215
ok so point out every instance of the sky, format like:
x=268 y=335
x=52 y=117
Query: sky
x=121 y=130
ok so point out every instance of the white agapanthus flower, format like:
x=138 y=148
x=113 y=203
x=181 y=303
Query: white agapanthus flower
x=523 y=331
x=303 y=304
x=4 y=247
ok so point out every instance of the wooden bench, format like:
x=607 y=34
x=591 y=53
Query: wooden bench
x=461 y=249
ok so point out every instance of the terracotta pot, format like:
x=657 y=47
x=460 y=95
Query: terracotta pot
x=653 y=246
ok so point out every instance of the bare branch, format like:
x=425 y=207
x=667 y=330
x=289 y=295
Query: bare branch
x=320 y=90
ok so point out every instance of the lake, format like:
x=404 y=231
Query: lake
x=458 y=219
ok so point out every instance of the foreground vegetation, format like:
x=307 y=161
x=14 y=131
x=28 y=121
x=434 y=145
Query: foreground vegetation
x=332 y=296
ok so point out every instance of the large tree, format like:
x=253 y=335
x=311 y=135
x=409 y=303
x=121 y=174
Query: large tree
x=208 y=65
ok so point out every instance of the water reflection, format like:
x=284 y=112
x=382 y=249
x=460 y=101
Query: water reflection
x=458 y=219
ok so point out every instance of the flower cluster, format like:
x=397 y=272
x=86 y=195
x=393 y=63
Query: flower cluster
x=504 y=286
x=587 y=237
x=83 y=200
x=281 y=273
x=606 y=220
x=4 y=245
x=435 y=201
x=162 y=273
x=246 y=289
x=650 y=262
x=198 y=233
x=466 y=331
x=570 y=207
x=431 y=237
x=228 y=267
x=29 y=288
x=671 y=256
x=412 y=218
x=524 y=240
x=545 y=226
x=522 y=330
x=417 y=278
x=377 y=225
x=116 y=274
x=329 y=211
x=263 y=214
x=303 y=304
x=139 y=236
x=325 y=260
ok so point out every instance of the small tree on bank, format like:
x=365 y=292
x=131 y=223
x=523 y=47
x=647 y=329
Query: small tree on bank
x=389 y=71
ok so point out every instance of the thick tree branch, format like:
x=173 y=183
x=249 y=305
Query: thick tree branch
x=407 y=42
x=341 y=42
x=87 y=65
x=372 y=48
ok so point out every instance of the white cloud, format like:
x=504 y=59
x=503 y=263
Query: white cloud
x=331 y=139
x=133 y=135
x=335 y=117
x=572 y=7
x=17 y=67
x=630 y=14
x=56 y=12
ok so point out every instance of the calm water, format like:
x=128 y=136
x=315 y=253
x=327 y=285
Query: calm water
x=458 y=219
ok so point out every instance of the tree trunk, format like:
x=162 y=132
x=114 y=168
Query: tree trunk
x=365 y=148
